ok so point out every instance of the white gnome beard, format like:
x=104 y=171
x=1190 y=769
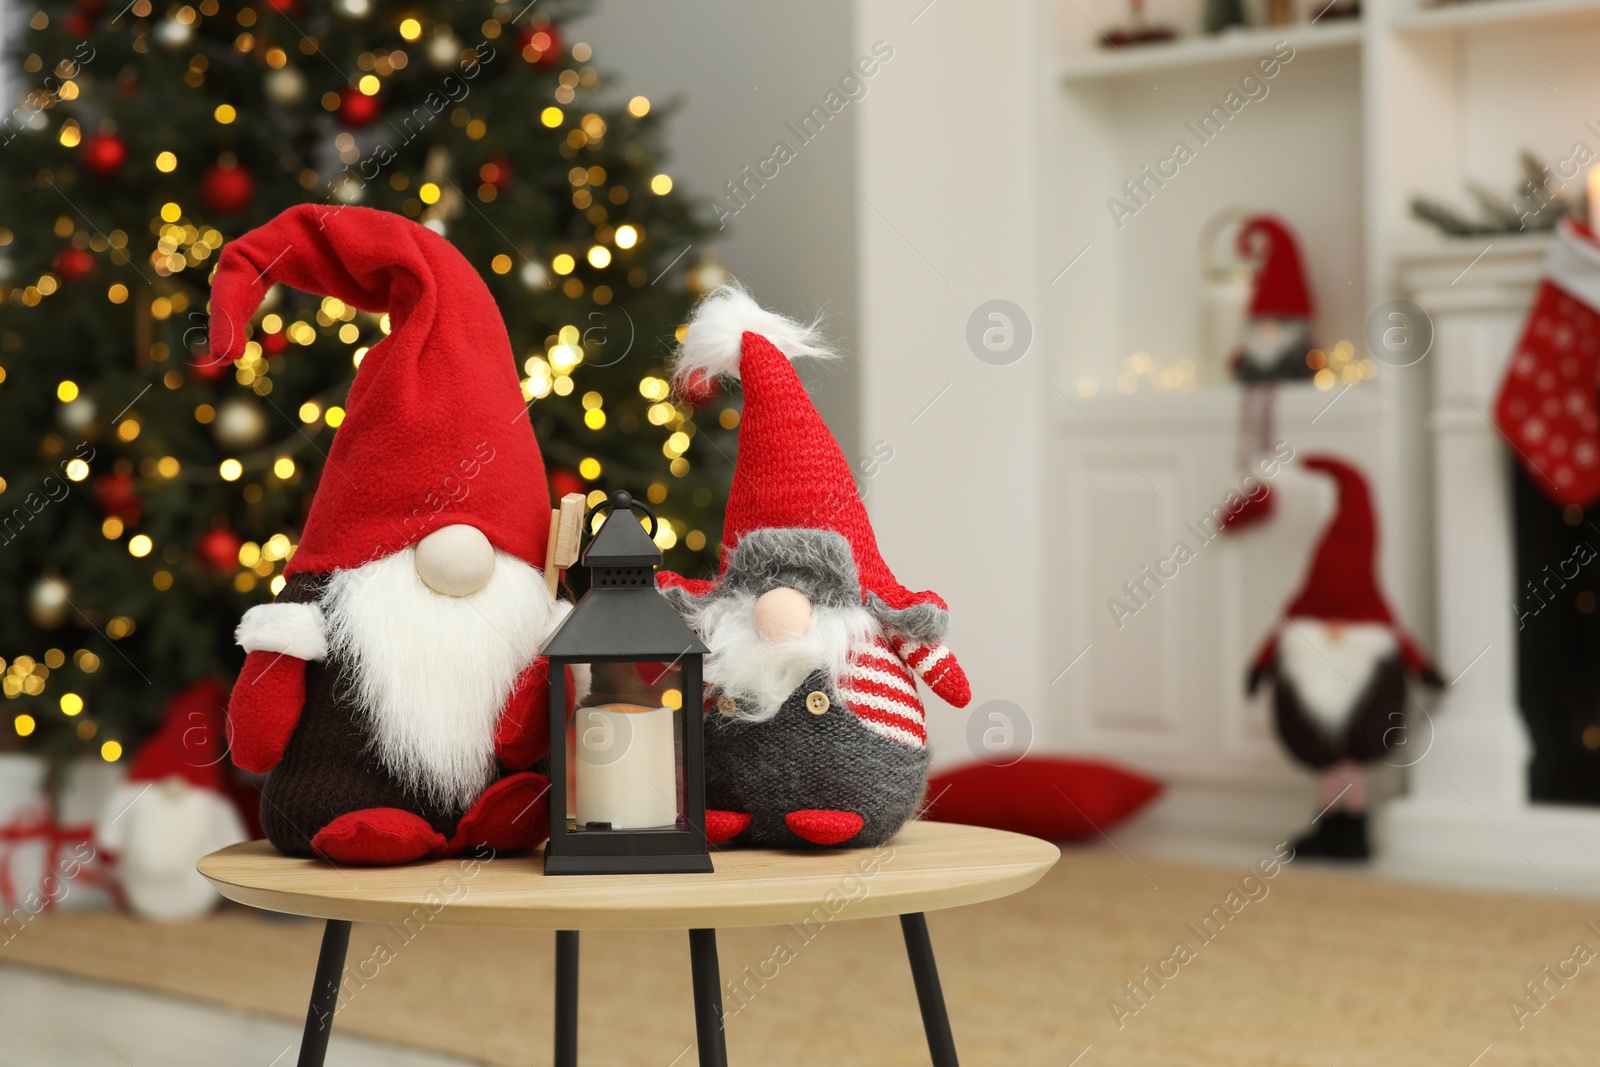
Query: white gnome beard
x=1330 y=676
x=1266 y=341
x=430 y=673
x=760 y=674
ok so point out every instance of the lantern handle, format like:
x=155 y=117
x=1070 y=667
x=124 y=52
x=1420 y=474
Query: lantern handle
x=622 y=500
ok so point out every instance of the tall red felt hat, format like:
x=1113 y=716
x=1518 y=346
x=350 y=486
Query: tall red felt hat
x=435 y=431
x=191 y=743
x=790 y=472
x=1281 y=290
x=1341 y=584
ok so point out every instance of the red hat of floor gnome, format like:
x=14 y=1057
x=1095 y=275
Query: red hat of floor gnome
x=1342 y=583
x=1281 y=290
x=790 y=471
x=190 y=742
x=403 y=454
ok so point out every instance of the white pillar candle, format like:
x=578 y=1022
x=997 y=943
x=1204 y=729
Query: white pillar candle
x=627 y=767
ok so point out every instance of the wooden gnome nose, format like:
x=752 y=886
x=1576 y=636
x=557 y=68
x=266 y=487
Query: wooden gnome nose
x=455 y=560
x=782 y=614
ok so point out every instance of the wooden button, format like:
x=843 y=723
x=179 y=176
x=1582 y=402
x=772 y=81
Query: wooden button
x=817 y=703
x=727 y=705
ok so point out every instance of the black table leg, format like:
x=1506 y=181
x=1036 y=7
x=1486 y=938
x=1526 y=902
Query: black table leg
x=930 y=997
x=707 y=998
x=566 y=998
x=325 y=993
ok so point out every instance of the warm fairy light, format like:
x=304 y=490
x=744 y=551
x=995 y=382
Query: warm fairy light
x=594 y=419
x=334 y=417
x=111 y=751
x=696 y=540
x=599 y=257
x=410 y=29
x=171 y=212
x=70 y=135
x=139 y=546
x=728 y=418
x=67 y=392
x=162 y=580
x=639 y=107
x=112 y=528
x=562 y=386
x=225 y=114
x=277 y=547
x=563 y=264
x=277 y=584
x=661 y=185
x=551 y=117
x=71 y=704
x=428 y=193
x=271 y=323
x=1088 y=387
x=119 y=627
x=368 y=85
x=665 y=538
x=249 y=554
x=168 y=466
x=627 y=236
x=23 y=724
x=671 y=698
x=77 y=470
x=204 y=413
x=501 y=264
x=117 y=294
x=283 y=467
x=349 y=333
x=355 y=359
x=660 y=414
x=310 y=412
x=592 y=400
x=589 y=468
x=127 y=430
x=230 y=469
x=167 y=162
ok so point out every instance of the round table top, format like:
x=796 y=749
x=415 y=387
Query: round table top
x=927 y=867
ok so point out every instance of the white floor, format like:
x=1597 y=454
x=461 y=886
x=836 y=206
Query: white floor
x=49 y=1020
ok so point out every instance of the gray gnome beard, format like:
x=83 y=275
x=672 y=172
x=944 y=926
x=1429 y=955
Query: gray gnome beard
x=760 y=674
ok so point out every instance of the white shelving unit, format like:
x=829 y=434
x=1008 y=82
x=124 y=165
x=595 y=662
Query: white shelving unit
x=1366 y=114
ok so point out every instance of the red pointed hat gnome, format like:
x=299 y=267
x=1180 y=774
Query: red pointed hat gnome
x=1339 y=666
x=1277 y=335
x=818 y=736
x=393 y=689
x=173 y=808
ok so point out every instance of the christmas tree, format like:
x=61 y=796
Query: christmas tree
x=149 y=495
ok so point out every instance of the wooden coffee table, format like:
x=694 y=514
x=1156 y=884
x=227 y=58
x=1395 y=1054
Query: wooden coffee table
x=929 y=866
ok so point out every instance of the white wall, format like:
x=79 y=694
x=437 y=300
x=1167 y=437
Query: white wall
x=949 y=219
x=740 y=71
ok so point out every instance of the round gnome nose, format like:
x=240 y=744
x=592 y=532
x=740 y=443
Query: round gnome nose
x=455 y=560
x=782 y=614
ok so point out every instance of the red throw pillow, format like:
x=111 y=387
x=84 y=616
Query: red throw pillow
x=1057 y=799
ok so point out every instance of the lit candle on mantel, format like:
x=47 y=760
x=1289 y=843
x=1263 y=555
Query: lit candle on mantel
x=1594 y=198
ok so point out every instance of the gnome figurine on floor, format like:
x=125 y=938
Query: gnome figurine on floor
x=814 y=728
x=393 y=689
x=1339 y=666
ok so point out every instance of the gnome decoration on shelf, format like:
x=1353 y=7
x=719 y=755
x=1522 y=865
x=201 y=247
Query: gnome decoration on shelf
x=394 y=689
x=1277 y=333
x=1339 y=666
x=814 y=727
x=174 y=807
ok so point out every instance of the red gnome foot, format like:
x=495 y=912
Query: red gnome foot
x=823 y=827
x=377 y=837
x=512 y=815
x=725 y=825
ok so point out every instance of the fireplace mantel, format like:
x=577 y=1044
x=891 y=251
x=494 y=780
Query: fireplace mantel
x=1466 y=812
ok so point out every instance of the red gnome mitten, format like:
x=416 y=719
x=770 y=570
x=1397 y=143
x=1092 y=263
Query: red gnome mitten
x=394 y=692
x=815 y=735
x=1547 y=403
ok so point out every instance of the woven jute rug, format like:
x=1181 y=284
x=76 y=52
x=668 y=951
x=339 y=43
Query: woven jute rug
x=1103 y=963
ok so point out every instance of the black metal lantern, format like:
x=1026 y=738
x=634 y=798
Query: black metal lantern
x=639 y=795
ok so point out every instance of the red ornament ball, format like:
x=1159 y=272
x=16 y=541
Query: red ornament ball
x=103 y=155
x=697 y=389
x=274 y=343
x=118 y=495
x=541 y=46
x=497 y=172
x=208 y=369
x=74 y=263
x=564 y=481
x=357 y=109
x=227 y=188
x=219 y=549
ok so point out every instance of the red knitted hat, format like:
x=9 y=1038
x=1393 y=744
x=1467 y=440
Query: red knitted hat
x=791 y=472
x=1281 y=290
x=1342 y=583
x=190 y=743
x=435 y=431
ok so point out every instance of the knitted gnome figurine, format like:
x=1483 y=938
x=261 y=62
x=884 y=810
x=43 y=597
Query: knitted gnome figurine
x=1277 y=335
x=1339 y=668
x=393 y=689
x=814 y=729
x=173 y=808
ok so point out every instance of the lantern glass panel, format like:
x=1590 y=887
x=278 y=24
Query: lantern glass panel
x=626 y=742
